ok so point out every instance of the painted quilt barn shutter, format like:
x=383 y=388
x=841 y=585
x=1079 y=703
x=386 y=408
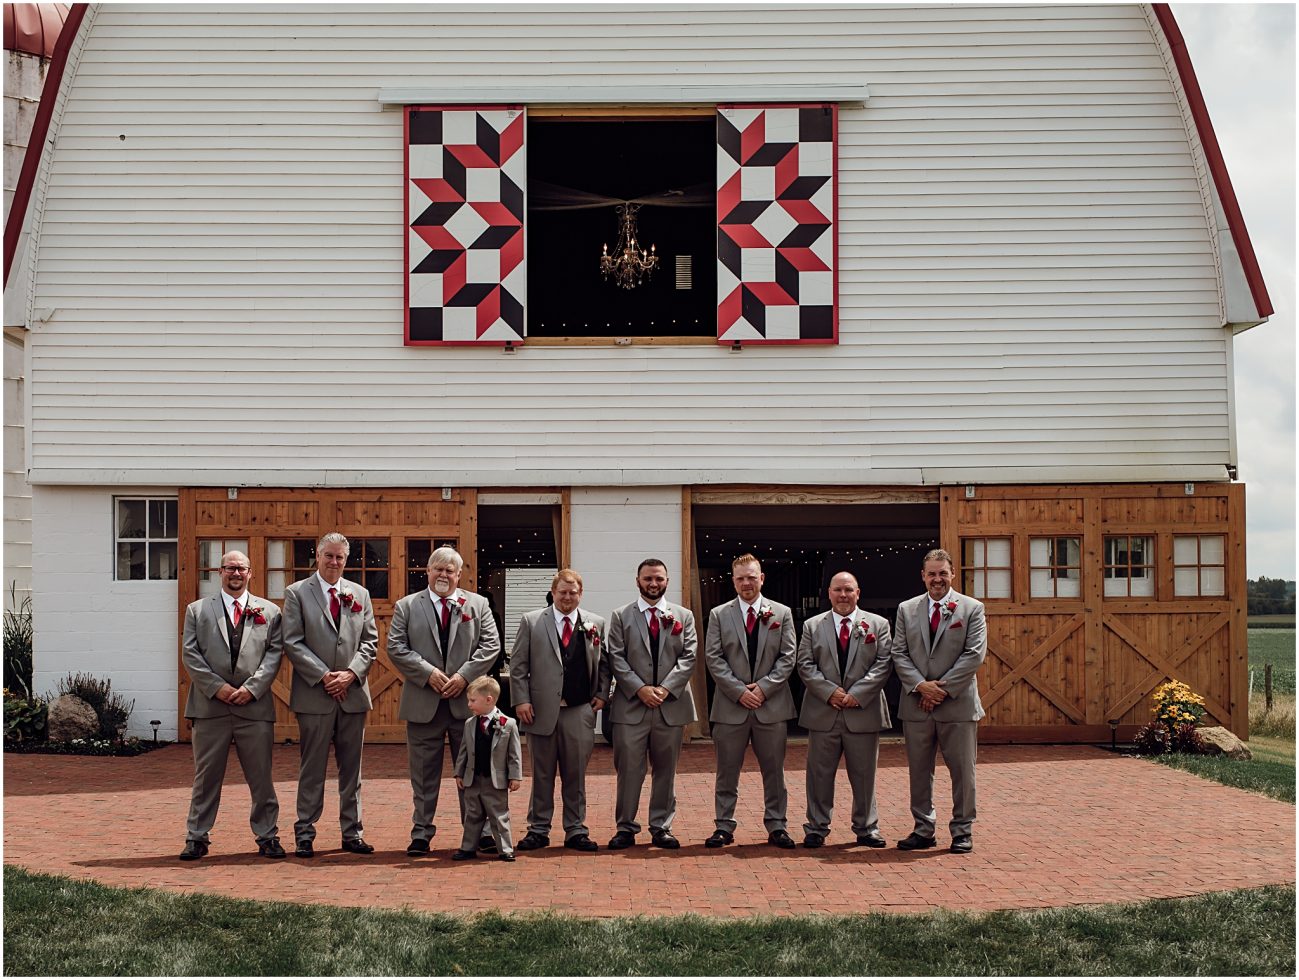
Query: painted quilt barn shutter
x=466 y=281
x=777 y=275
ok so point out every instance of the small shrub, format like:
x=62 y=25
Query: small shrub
x=25 y=720
x=111 y=709
x=18 y=644
x=1152 y=738
x=1175 y=704
x=1186 y=738
x=89 y=746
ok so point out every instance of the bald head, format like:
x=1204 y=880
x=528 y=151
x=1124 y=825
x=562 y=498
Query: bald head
x=844 y=593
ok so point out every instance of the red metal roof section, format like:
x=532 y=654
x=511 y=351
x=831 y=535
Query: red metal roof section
x=40 y=132
x=1213 y=155
x=34 y=28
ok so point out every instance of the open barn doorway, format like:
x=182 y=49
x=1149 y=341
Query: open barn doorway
x=802 y=546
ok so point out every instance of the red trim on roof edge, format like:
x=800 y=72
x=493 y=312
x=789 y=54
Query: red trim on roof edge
x=40 y=132
x=1213 y=155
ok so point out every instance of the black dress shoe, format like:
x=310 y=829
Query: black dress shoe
x=914 y=842
x=487 y=845
x=357 y=845
x=665 y=840
x=719 y=838
x=621 y=840
x=459 y=855
x=194 y=849
x=780 y=838
x=270 y=848
x=417 y=848
x=871 y=840
x=814 y=840
x=962 y=844
x=304 y=849
x=533 y=841
x=578 y=843
x=505 y=857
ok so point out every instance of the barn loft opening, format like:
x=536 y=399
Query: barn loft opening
x=581 y=169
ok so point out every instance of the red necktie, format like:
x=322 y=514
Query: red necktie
x=239 y=613
x=335 y=608
x=568 y=631
x=446 y=618
x=751 y=622
x=654 y=623
x=933 y=619
x=486 y=724
x=843 y=634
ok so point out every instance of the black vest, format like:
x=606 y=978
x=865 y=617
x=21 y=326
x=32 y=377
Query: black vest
x=482 y=749
x=236 y=633
x=843 y=654
x=577 y=678
x=444 y=632
x=751 y=638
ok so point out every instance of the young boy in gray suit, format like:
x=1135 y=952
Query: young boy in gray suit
x=488 y=768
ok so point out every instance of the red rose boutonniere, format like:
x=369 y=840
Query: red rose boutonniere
x=259 y=619
x=502 y=721
x=349 y=599
x=767 y=614
x=669 y=620
x=864 y=631
x=592 y=633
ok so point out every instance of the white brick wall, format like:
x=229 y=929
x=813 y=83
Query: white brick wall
x=84 y=621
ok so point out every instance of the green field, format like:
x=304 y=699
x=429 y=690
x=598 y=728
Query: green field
x=1275 y=647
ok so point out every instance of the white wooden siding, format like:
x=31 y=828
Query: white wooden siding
x=1028 y=287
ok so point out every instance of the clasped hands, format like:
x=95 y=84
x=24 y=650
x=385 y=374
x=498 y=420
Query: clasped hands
x=448 y=687
x=752 y=698
x=336 y=683
x=932 y=694
x=841 y=699
x=652 y=696
x=234 y=695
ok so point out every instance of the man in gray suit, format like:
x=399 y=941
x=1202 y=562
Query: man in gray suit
x=940 y=641
x=749 y=650
x=843 y=660
x=559 y=681
x=331 y=638
x=439 y=639
x=231 y=650
x=652 y=648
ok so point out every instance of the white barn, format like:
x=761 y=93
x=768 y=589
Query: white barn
x=950 y=274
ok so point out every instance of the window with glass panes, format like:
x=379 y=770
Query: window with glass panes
x=210 y=552
x=1055 y=568
x=1129 y=566
x=417 y=555
x=145 y=536
x=367 y=563
x=1199 y=565
x=985 y=567
x=288 y=560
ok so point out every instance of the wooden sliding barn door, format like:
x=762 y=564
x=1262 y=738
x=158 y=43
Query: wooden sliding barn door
x=1096 y=595
x=391 y=533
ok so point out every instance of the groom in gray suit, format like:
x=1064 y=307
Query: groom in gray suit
x=439 y=639
x=331 y=638
x=750 y=653
x=559 y=681
x=843 y=661
x=940 y=641
x=231 y=651
x=652 y=648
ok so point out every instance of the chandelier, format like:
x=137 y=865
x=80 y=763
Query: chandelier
x=629 y=265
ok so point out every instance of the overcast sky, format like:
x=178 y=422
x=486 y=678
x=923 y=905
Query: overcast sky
x=1244 y=57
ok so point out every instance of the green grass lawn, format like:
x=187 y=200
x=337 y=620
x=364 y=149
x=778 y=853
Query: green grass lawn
x=1275 y=647
x=56 y=926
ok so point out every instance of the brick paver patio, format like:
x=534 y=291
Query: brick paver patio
x=1058 y=825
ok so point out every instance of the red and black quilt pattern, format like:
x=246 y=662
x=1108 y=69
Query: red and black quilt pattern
x=466 y=281
x=776 y=224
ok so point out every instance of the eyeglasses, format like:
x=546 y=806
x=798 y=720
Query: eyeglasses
x=234 y=568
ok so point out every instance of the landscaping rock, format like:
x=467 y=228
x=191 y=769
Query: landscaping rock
x=70 y=718
x=1219 y=741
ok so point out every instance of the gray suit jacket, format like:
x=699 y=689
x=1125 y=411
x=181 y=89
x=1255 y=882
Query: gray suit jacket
x=415 y=649
x=537 y=667
x=315 y=647
x=507 y=753
x=726 y=651
x=205 y=652
x=869 y=667
x=629 y=659
x=954 y=656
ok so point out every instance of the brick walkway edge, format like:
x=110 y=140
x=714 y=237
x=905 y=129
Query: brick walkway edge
x=1058 y=825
